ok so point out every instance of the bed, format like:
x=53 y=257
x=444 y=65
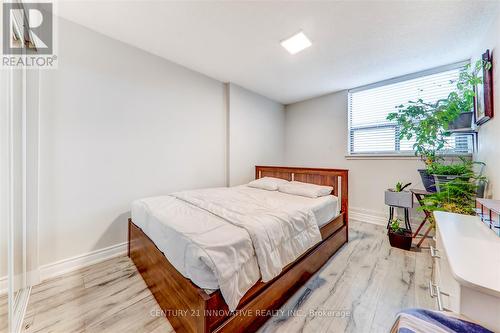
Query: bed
x=188 y=290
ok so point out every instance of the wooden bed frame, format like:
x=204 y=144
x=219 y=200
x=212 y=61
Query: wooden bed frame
x=191 y=309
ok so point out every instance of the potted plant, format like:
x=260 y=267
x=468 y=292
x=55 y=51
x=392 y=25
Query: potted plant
x=398 y=197
x=463 y=98
x=458 y=188
x=426 y=123
x=429 y=124
x=456 y=196
x=399 y=237
x=444 y=173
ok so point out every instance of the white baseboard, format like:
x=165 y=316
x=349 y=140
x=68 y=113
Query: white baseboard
x=380 y=218
x=367 y=215
x=70 y=264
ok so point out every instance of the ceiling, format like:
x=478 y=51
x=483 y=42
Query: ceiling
x=354 y=42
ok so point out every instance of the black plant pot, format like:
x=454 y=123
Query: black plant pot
x=427 y=180
x=464 y=120
x=400 y=240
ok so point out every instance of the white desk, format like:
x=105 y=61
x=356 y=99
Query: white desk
x=466 y=275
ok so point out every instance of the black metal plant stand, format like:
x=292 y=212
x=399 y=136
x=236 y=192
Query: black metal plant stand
x=407 y=217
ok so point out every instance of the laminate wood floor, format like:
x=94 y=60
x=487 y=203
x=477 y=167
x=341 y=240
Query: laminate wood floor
x=3 y=313
x=360 y=289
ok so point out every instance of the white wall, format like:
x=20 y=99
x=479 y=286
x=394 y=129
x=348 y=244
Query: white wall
x=489 y=133
x=119 y=124
x=257 y=133
x=316 y=136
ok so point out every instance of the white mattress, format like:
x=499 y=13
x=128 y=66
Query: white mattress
x=188 y=227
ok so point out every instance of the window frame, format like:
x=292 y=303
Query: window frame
x=396 y=153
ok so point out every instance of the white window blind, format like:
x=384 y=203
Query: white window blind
x=369 y=130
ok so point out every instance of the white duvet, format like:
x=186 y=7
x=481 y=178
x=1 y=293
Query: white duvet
x=229 y=238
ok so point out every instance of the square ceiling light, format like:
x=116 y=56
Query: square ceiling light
x=296 y=43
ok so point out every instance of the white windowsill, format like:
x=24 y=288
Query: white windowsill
x=381 y=157
x=394 y=156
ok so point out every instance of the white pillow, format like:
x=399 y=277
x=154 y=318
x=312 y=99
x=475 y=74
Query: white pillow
x=305 y=189
x=267 y=183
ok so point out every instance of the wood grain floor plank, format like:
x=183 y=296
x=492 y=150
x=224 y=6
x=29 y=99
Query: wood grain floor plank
x=132 y=319
x=360 y=289
x=359 y=279
x=4 y=313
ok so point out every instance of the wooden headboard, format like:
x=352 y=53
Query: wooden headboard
x=337 y=178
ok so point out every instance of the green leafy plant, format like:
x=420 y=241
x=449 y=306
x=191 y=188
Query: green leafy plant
x=400 y=187
x=456 y=196
x=458 y=187
x=427 y=122
x=396 y=226
x=464 y=168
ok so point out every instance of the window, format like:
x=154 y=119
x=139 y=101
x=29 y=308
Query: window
x=369 y=130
